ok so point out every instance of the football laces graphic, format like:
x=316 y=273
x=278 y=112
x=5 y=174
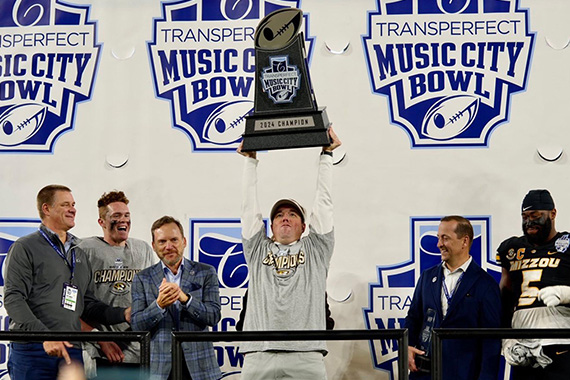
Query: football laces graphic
x=225 y=124
x=20 y=122
x=450 y=116
x=279 y=28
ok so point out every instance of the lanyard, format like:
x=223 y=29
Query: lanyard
x=72 y=265
x=446 y=292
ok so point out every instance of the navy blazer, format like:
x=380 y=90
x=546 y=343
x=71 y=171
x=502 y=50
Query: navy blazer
x=201 y=282
x=475 y=303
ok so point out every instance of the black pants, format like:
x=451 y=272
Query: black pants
x=185 y=372
x=559 y=369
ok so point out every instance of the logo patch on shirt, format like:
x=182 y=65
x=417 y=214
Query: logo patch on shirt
x=562 y=243
x=511 y=254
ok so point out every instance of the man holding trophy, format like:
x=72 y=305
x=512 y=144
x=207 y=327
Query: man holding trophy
x=287 y=272
x=455 y=294
x=288 y=275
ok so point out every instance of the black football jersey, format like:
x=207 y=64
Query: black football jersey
x=532 y=268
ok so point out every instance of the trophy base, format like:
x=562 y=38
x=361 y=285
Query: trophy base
x=283 y=131
x=423 y=363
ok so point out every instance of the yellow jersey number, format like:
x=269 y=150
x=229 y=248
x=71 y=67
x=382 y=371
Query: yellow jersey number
x=529 y=293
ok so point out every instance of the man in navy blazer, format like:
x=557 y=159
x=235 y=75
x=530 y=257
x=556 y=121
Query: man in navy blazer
x=459 y=294
x=176 y=295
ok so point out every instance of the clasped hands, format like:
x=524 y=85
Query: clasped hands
x=168 y=293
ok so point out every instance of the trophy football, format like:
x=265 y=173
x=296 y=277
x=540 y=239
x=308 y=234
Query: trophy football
x=285 y=113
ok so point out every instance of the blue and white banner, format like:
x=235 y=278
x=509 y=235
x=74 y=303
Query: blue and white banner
x=49 y=56
x=448 y=68
x=203 y=62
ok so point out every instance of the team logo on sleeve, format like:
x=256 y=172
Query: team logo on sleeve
x=448 y=68
x=561 y=244
x=203 y=62
x=390 y=298
x=511 y=254
x=48 y=59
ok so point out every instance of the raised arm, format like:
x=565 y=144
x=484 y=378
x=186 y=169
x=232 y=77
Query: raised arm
x=322 y=212
x=251 y=219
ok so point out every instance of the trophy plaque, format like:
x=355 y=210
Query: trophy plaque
x=285 y=113
x=423 y=362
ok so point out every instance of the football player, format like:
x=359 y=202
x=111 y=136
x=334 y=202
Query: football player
x=535 y=290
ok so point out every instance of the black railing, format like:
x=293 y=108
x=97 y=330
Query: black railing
x=400 y=334
x=440 y=334
x=76 y=336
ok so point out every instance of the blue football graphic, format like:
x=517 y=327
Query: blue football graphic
x=226 y=123
x=450 y=116
x=20 y=122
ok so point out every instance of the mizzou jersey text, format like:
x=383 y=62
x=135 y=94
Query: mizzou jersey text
x=532 y=268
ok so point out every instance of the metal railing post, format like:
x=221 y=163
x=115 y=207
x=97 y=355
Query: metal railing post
x=437 y=355
x=145 y=351
x=403 y=356
x=177 y=358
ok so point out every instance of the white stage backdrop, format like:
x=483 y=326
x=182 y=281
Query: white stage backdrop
x=443 y=108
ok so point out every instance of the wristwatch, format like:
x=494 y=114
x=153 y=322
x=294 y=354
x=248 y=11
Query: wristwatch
x=188 y=300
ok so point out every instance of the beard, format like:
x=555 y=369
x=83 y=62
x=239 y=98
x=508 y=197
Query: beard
x=543 y=225
x=171 y=261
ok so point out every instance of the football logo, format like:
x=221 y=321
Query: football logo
x=20 y=122
x=278 y=29
x=280 y=80
x=450 y=116
x=447 y=87
x=510 y=255
x=222 y=124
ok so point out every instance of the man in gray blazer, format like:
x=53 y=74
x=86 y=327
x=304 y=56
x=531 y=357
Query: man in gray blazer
x=176 y=295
